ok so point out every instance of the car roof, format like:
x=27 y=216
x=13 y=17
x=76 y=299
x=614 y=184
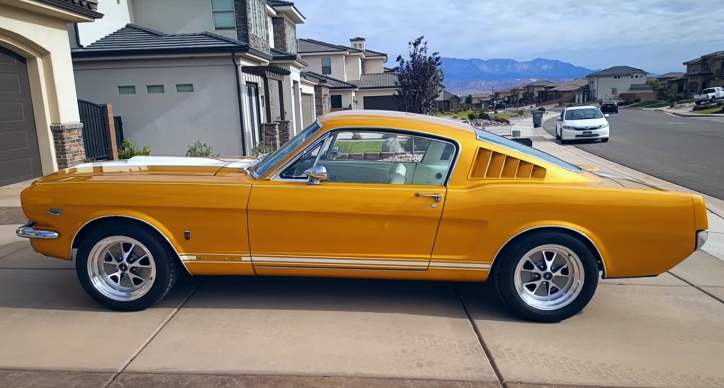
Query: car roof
x=581 y=107
x=400 y=120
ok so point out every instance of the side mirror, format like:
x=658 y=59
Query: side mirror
x=334 y=152
x=558 y=118
x=316 y=175
x=606 y=115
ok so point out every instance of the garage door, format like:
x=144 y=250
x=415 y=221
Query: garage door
x=19 y=155
x=380 y=103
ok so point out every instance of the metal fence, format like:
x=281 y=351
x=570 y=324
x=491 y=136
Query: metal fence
x=95 y=130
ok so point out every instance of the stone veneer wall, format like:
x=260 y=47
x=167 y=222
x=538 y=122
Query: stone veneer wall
x=321 y=99
x=270 y=135
x=243 y=27
x=68 y=141
x=285 y=132
x=285 y=35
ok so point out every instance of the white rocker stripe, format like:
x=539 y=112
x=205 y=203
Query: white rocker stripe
x=204 y=258
x=459 y=265
x=342 y=261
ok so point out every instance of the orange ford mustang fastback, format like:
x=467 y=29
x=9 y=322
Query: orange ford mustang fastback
x=364 y=194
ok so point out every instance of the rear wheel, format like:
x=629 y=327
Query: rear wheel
x=125 y=266
x=547 y=277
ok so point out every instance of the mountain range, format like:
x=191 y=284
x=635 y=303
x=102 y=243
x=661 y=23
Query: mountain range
x=479 y=75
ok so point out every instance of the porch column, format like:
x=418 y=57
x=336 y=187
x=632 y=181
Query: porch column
x=267 y=99
x=282 y=107
x=69 y=148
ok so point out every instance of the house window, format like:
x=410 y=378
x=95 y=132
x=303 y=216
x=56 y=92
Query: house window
x=336 y=101
x=257 y=18
x=326 y=66
x=223 y=13
x=184 y=88
x=154 y=89
x=126 y=90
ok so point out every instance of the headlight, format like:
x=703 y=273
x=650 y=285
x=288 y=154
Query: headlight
x=603 y=126
x=566 y=127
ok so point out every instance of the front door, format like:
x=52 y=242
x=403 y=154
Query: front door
x=252 y=90
x=379 y=208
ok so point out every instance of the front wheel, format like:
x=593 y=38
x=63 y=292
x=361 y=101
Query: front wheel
x=604 y=140
x=125 y=266
x=547 y=277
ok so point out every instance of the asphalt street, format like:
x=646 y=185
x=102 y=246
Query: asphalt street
x=686 y=151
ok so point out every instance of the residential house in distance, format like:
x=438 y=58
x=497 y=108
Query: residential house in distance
x=225 y=72
x=566 y=92
x=39 y=119
x=481 y=100
x=447 y=102
x=673 y=84
x=704 y=72
x=530 y=91
x=619 y=82
x=358 y=75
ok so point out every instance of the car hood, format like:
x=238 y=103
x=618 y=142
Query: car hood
x=153 y=165
x=585 y=123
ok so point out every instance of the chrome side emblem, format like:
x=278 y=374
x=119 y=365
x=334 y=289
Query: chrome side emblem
x=55 y=212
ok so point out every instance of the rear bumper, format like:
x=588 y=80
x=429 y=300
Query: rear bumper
x=28 y=231
x=701 y=237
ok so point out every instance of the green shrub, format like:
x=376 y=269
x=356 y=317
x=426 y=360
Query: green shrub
x=128 y=151
x=472 y=116
x=261 y=149
x=454 y=116
x=200 y=149
x=637 y=99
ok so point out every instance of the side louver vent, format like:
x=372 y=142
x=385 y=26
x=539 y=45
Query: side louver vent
x=494 y=165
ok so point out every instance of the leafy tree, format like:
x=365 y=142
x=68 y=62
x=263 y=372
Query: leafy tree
x=418 y=79
x=469 y=99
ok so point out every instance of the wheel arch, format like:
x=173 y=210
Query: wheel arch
x=574 y=232
x=154 y=225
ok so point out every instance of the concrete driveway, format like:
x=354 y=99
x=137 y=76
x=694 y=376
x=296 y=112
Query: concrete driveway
x=303 y=332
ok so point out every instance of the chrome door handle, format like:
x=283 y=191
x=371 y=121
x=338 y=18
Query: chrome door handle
x=438 y=197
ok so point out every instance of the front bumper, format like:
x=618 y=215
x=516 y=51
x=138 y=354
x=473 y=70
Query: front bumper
x=572 y=134
x=28 y=231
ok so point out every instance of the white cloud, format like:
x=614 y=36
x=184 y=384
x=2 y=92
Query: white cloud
x=657 y=35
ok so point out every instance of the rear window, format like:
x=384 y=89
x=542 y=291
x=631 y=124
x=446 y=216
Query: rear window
x=520 y=147
x=707 y=91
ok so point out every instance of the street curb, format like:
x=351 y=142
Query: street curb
x=692 y=115
x=714 y=205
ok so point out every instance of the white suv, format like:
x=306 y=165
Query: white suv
x=580 y=123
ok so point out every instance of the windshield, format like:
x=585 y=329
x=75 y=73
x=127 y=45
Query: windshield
x=272 y=159
x=520 y=147
x=583 y=114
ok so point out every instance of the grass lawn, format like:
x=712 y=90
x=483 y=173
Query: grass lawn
x=708 y=111
x=659 y=104
x=504 y=115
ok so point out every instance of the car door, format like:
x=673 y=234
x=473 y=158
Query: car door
x=379 y=207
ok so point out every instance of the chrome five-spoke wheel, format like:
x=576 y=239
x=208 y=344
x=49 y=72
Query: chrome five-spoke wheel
x=121 y=268
x=547 y=276
x=126 y=265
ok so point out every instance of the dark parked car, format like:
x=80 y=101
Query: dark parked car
x=609 y=106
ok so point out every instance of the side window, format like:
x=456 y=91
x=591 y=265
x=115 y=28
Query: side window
x=379 y=157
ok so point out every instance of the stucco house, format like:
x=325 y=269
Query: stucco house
x=225 y=72
x=619 y=82
x=447 y=102
x=39 y=120
x=373 y=84
x=704 y=72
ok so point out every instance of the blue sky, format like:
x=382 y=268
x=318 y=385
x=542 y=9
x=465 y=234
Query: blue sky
x=654 y=35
